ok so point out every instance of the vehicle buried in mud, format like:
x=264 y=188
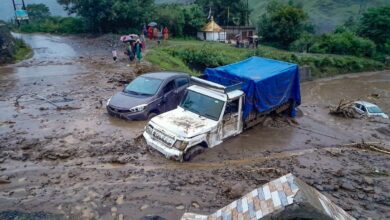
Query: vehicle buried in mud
x=149 y=95
x=223 y=103
x=368 y=109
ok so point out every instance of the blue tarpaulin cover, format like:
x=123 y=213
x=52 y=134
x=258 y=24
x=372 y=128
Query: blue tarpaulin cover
x=267 y=83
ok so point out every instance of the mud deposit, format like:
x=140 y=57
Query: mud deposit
x=76 y=162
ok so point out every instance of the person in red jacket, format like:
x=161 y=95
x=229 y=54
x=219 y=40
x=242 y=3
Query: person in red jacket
x=166 y=33
x=150 y=33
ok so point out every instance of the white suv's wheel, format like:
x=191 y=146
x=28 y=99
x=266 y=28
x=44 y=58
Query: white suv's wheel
x=193 y=152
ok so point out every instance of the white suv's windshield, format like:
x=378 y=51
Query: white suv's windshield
x=143 y=86
x=202 y=105
x=374 y=109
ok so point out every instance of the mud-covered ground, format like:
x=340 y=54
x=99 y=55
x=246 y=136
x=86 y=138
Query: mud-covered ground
x=62 y=156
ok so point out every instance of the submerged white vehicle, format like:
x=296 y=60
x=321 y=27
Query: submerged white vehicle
x=217 y=107
x=368 y=109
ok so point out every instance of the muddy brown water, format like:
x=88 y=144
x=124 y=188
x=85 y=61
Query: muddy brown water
x=80 y=163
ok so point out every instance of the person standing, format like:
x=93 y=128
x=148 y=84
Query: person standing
x=130 y=52
x=114 y=55
x=166 y=33
x=155 y=33
x=150 y=33
x=143 y=41
x=138 y=50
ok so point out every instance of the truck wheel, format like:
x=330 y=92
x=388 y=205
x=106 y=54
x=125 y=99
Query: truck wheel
x=193 y=152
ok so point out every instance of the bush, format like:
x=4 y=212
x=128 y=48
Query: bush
x=200 y=55
x=345 y=43
x=57 y=25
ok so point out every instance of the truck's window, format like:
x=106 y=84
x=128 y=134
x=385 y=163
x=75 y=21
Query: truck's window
x=232 y=107
x=181 y=82
x=169 y=87
x=202 y=105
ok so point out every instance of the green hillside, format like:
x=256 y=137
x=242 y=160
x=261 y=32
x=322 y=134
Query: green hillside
x=325 y=14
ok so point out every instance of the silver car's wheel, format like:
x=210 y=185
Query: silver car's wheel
x=151 y=115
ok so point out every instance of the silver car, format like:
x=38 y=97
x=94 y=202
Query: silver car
x=149 y=95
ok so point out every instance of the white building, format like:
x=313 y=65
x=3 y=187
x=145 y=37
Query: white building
x=212 y=32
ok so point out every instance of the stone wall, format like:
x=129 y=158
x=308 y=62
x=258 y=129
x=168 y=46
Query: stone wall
x=7 y=45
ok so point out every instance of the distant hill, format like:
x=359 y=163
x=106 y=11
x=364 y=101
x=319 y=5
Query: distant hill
x=325 y=14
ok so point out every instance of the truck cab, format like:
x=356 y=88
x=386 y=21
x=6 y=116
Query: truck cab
x=208 y=114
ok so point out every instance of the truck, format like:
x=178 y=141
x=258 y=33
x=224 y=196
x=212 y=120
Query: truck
x=223 y=103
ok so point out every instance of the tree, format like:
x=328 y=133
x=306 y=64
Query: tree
x=283 y=23
x=375 y=25
x=194 y=20
x=38 y=12
x=111 y=15
x=171 y=16
x=225 y=12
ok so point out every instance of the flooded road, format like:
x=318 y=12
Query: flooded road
x=83 y=164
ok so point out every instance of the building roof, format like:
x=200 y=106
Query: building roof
x=212 y=26
x=285 y=198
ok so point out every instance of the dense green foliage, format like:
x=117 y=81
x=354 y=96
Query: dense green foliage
x=283 y=23
x=199 y=55
x=58 y=25
x=112 y=15
x=344 y=43
x=181 y=21
x=375 y=25
x=38 y=12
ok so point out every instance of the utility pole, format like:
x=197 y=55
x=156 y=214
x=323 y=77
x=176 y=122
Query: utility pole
x=16 y=18
x=24 y=5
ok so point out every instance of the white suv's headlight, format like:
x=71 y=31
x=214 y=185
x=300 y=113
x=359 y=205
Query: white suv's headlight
x=139 y=108
x=181 y=145
x=108 y=101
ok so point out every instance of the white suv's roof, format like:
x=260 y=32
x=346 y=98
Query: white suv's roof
x=367 y=104
x=208 y=92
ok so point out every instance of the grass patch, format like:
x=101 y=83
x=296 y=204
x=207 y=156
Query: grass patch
x=54 y=25
x=23 y=51
x=198 y=55
x=165 y=61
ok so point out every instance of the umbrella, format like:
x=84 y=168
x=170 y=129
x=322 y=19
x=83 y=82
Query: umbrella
x=129 y=38
x=152 y=24
x=134 y=36
x=254 y=37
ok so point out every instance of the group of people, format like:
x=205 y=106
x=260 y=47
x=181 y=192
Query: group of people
x=134 y=48
x=154 y=33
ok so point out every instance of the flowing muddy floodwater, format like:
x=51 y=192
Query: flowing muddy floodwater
x=77 y=162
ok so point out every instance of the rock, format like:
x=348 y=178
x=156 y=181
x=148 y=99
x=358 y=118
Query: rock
x=319 y=187
x=180 y=207
x=144 y=207
x=339 y=173
x=369 y=189
x=195 y=205
x=119 y=200
x=347 y=186
x=368 y=180
x=120 y=217
x=114 y=209
x=236 y=191
x=28 y=144
x=3 y=181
